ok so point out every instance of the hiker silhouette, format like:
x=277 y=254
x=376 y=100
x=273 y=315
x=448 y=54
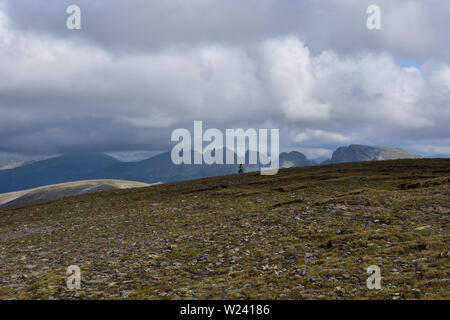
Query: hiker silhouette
x=241 y=168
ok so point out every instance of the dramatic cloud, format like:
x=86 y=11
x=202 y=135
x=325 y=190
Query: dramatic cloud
x=139 y=69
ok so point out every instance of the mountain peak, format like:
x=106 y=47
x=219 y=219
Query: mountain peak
x=356 y=152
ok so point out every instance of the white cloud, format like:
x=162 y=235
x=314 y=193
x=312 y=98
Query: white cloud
x=291 y=80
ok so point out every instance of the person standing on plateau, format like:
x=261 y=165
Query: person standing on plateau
x=241 y=168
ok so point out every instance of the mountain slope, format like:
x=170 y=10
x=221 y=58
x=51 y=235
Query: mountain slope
x=66 y=168
x=294 y=159
x=161 y=168
x=305 y=233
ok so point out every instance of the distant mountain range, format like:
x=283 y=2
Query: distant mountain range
x=357 y=153
x=87 y=166
x=319 y=160
x=441 y=156
x=60 y=169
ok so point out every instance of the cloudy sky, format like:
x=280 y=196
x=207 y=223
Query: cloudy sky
x=138 y=69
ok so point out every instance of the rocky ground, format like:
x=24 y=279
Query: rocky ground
x=306 y=233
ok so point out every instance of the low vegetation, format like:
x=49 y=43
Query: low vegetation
x=306 y=233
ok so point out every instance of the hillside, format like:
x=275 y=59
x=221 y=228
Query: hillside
x=57 y=191
x=305 y=233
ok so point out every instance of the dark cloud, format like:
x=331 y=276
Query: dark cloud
x=411 y=28
x=139 y=69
